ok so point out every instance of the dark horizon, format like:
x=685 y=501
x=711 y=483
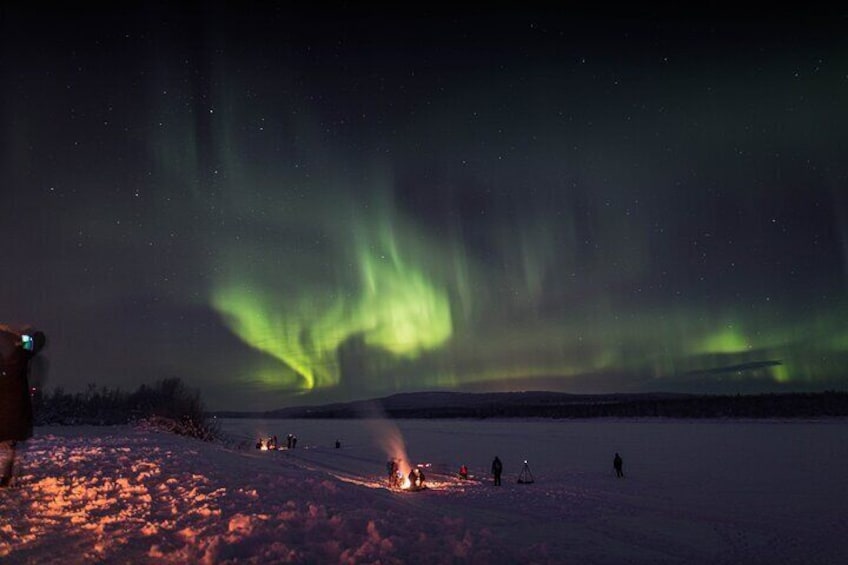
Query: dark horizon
x=557 y=405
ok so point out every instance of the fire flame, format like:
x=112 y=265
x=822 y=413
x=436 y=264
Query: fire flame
x=387 y=435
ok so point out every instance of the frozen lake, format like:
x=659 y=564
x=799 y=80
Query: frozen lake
x=760 y=454
x=694 y=491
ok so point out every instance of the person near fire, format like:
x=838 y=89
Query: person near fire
x=416 y=478
x=463 y=472
x=392 y=468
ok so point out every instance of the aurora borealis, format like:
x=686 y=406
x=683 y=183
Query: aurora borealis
x=282 y=204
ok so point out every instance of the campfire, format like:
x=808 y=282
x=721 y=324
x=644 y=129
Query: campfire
x=399 y=479
x=401 y=474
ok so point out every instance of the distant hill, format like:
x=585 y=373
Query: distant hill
x=542 y=404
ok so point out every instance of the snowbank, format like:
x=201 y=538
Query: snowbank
x=693 y=493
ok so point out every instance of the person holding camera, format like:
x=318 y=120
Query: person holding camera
x=17 y=348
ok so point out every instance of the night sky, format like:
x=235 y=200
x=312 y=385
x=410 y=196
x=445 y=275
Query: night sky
x=283 y=205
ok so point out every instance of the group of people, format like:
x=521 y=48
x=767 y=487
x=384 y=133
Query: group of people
x=18 y=348
x=270 y=443
x=267 y=444
x=497 y=469
x=395 y=475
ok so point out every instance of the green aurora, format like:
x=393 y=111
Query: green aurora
x=371 y=296
x=323 y=210
x=346 y=272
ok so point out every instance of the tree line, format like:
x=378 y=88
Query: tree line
x=168 y=404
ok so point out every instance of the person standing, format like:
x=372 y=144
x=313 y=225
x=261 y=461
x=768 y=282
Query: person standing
x=617 y=463
x=416 y=479
x=497 y=469
x=392 y=468
x=17 y=348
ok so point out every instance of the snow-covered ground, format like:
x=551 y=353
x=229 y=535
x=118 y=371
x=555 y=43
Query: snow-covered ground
x=694 y=492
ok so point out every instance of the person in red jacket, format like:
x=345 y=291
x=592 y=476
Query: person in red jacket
x=17 y=348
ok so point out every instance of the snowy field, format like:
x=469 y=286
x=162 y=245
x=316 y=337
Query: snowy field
x=694 y=492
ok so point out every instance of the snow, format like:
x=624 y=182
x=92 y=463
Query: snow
x=693 y=492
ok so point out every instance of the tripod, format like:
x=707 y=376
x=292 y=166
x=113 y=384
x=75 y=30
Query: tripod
x=526 y=476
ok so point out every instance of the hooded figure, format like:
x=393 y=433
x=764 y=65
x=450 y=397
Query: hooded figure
x=497 y=469
x=17 y=348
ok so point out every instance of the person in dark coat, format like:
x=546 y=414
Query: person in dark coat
x=617 y=464
x=17 y=348
x=392 y=468
x=416 y=479
x=497 y=469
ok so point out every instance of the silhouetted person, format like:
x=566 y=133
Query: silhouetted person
x=463 y=472
x=338 y=444
x=497 y=469
x=617 y=463
x=294 y=442
x=17 y=348
x=392 y=468
x=289 y=442
x=416 y=478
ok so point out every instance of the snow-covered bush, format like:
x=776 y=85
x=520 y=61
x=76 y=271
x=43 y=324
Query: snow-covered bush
x=168 y=404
